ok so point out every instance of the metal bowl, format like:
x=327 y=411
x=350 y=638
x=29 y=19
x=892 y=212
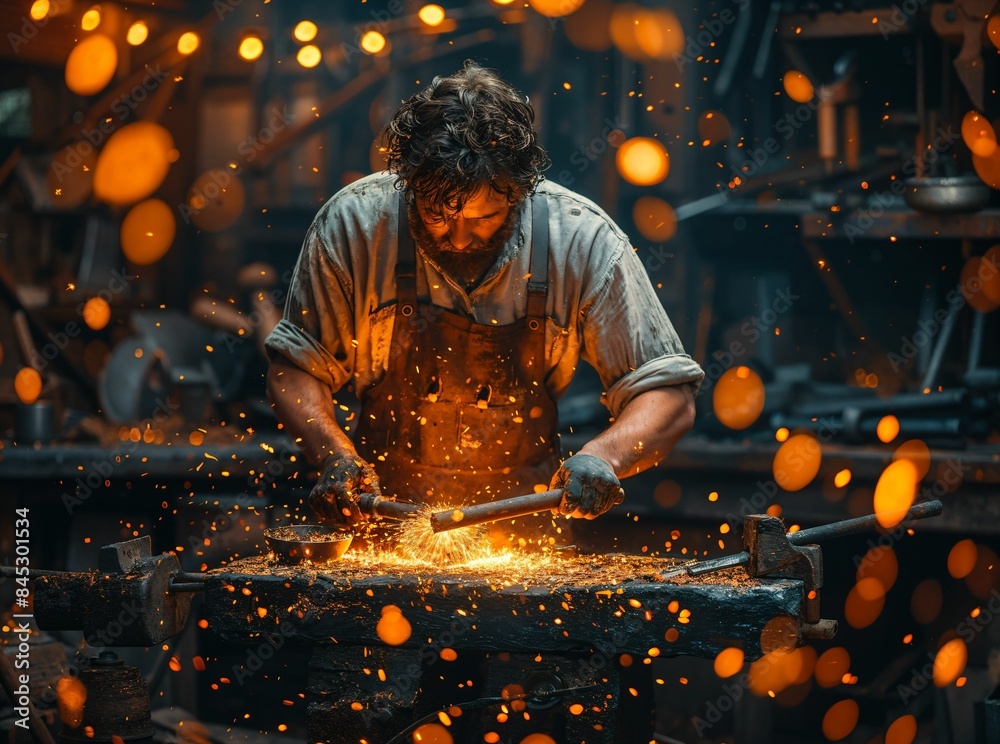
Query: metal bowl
x=946 y=195
x=316 y=543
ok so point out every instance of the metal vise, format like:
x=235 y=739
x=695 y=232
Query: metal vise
x=128 y=601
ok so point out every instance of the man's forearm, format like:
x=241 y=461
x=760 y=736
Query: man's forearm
x=304 y=406
x=646 y=430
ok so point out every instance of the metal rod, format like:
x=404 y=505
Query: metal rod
x=518 y=506
x=944 y=335
x=380 y=506
x=176 y=586
x=859 y=524
x=187 y=576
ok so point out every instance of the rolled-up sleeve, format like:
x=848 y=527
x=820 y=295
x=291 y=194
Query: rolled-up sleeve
x=316 y=330
x=627 y=336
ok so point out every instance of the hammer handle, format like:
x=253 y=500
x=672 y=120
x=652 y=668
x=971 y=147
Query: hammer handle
x=518 y=506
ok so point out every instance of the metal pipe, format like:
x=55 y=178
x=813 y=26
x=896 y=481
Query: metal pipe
x=518 y=506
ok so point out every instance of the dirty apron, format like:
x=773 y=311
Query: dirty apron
x=462 y=415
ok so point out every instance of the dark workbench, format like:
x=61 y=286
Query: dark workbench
x=616 y=603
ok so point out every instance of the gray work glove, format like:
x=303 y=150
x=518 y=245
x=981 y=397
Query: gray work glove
x=343 y=480
x=591 y=486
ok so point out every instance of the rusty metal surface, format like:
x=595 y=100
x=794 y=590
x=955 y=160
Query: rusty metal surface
x=618 y=604
x=134 y=607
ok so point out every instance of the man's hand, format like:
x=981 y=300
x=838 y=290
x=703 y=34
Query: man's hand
x=591 y=486
x=344 y=478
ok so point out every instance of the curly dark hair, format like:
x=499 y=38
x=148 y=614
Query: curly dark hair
x=461 y=133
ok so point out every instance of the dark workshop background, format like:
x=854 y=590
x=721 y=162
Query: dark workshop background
x=161 y=162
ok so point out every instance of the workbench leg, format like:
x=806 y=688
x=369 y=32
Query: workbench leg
x=594 y=724
x=348 y=705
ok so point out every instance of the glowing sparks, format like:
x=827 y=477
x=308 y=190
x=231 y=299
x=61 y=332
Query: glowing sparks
x=419 y=542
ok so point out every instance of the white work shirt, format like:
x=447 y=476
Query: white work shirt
x=601 y=306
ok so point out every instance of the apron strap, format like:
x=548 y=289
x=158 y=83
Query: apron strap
x=538 y=282
x=406 y=266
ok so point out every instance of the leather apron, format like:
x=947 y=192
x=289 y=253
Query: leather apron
x=462 y=415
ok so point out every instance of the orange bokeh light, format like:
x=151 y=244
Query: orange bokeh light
x=831 y=666
x=950 y=661
x=654 y=218
x=96 y=313
x=962 y=559
x=27 y=385
x=188 y=43
x=738 y=398
x=840 y=720
x=643 y=161
x=988 y=168
x=894 y=493
x=71 y=695
x=556 y=8
x=137 y=33
x=993 y=30
x=887 y=429
x=133 y=163
x=976 y=275
x=392 y=627
x=432 y=733
x=373 y=42
x=916 y=452
x=902 y=731
x=148 y=231
x=309 y=56
x=432 y=15
x=797 y=462
x=305 y=31
x=216 y=200
x=879 y=564
x=978 y=134
x=251 y=47
x=728 y=662
x=797 y=86
x=91 y=65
